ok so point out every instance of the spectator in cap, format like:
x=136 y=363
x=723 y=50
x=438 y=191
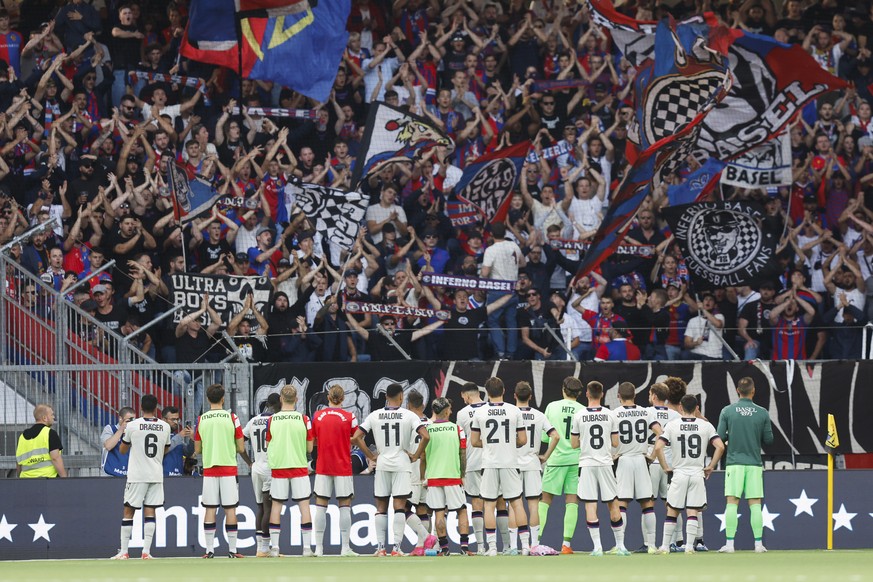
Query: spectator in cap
x=429 y=253
x=264 y=258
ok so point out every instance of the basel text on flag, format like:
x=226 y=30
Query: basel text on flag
x=335 y=213
x=698 y=185
x=722 y=242
x=488 y=182
x=191 y=195
x=298 y=43
x=395 y=135
x=763 y=166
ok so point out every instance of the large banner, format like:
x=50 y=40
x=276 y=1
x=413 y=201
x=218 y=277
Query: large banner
x=42 y=519
x=227 y=294
x=764 y=166
x=793 y=392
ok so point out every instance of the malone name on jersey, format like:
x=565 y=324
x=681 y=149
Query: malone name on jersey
x=390 y=415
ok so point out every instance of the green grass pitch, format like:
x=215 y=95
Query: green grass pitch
x=801 y=566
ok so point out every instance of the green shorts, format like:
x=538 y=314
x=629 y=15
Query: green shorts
x=744 y=480
x=561 y=480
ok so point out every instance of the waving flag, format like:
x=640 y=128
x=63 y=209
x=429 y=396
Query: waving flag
x=488 y=182
x=699 y=184
x=191 y=195
x=722 y=242
x=763 y=166
x=772 y=81
x=336 y=213
x=395 y=135
x=297 y=43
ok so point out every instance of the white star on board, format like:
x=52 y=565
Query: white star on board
x=6 y=529
x=769 y=518
x=803 y=504
x=721 y=519
x=41 y=529
x=843 y=518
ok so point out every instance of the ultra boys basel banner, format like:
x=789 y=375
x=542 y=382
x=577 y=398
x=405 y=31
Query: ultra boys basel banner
x=793 y=392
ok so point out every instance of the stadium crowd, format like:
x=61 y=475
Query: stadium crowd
x=84 y=143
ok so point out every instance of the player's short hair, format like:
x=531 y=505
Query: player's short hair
x=676 y=389
x=288 y=394
x=523 y=391
x=415 y=400
x=148 y=403
x=572 y=386
x=168 y=410
x=494 y=387
x=40 y=410
x=745 y=386
x=659 y=389
x=336 y=394
x=273 y=402
x=470 y=387
x=393 y=390
x=688 y=403
x=440 y=404
x=215 y=393
x=627 y=391
x=595 y=389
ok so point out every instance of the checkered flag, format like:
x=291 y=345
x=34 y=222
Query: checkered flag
x=335 y=213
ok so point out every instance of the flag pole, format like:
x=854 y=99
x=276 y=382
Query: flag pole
x=831 y=444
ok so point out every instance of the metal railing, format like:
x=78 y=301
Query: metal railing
x=52 y=351
x=867 y=342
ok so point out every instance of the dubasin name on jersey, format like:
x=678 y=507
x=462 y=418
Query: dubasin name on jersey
x=595 y=417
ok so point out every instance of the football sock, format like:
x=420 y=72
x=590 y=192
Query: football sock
x=623 y=511
x=444 y=543
x=414 y=522
x=491 y=536
x=148 y=534
x=209 y=535
x=618 y=532
x=231 y=530
x=730 y=520
x=669 y=528
x=691 y=530
x=479 y=528
x=678 y=533
x=263 y=542
x=465 y=543
x=649 y=526
x=381 y=529
x=571 y=516
x=513 y=537
x=757 y=520
x=345 y=525
x=543 y=511
x=306 y=530
x=399 y=528
x=503 y=526
x=126 y=530
x=319 y=524
x=534 y=535
x=425 y=522
x=594 y=532
x=699 y=527
x=524 y=535
x=275 y=530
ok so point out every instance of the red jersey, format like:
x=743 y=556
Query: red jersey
x=333 y=429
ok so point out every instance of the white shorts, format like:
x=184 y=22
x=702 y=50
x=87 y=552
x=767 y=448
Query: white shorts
x=532 y=483
x=297 y=488
x=594 y=479
x=340 y=485
x=686 y=491
x=634 y=481
x=396 y=483
x=260 y=485
x=419 y=494
x=501 y=482
x=473 y=483
x=138 y=495
x=450 y=497
x=220 y=491
x=659 y=480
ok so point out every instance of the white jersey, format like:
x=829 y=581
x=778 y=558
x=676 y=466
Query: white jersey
x=634 y=428
x=594 y=427
x=413 y=446
x=662 y=415
x=256 y=431
x=688 y=438
x=536 y=424
x=497 y=424
x=465 y=421
x=392 y=430
x=147 y=438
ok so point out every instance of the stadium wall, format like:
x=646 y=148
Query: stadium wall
x=80 y=518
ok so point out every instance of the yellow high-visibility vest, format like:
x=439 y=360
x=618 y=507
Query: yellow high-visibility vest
x=34 y=457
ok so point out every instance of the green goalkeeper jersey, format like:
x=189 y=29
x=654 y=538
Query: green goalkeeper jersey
x=442 y=454
x=560 y=414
